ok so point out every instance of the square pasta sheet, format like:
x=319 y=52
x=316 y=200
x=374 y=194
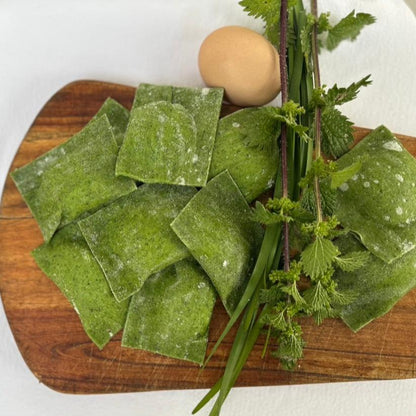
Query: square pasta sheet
x=68 y=262
x=118 y=116
x=376 y=286
x=246 y=145
x=131 y=238
x=379 y=202
x=170 y=315
x=170 y=135
x=216 y=227
x=73 y=179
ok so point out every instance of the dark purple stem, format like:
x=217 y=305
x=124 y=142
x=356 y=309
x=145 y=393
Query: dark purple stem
x=285 y=97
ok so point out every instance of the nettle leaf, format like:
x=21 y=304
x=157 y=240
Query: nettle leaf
x=306 y=34
x=272 y=33
x=269 y=12
x=337 y=132
x=328 y=199
x=262 y=215
x=297 y=239
x=293 y=291
x=323 y=22
x=306 y=39
x=290 y=348
x=339 y=177
x=301 y=214
x=352 y=261
x=348 y=28
x=338 y=96
x=276 y=318
x=289 y=113
x=272 y=296
x=289 y=210
x=318 y=257
x=318 y=298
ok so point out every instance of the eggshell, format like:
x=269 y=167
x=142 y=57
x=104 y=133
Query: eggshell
x=243 y=62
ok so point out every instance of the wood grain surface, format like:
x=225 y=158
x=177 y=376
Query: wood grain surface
x=53 y=344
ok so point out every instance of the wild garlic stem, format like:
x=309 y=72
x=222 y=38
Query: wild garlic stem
x=283 y=136
x=318 y=111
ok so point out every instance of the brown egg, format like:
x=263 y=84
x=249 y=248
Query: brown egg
x=243 y=62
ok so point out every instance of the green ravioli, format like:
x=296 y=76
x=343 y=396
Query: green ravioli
x=379 y=203
x=166 y=151
x=170 y=315
x=68 y=262
x=118 y=116
x=204 y=104
x=216 y=227
x=171 y=134
x=73 y=179
x=149 y=93
x=246 y=145
x=377 y=286
x=131 y=238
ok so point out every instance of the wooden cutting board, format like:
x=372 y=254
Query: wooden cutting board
x=53 y=344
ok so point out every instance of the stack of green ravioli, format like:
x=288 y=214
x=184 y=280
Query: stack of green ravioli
x=145 y=215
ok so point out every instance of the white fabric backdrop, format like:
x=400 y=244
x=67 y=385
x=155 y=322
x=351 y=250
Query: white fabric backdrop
x=45 y=44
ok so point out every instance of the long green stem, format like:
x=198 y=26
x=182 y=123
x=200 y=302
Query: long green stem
x=267 y=251
x=283 y=137
x=318 y=115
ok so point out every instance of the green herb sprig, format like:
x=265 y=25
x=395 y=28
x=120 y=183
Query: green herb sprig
x=311 y=127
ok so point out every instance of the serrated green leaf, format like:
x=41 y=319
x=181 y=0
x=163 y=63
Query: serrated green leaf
x=287 y=210
x=273 y=295
x=272 y=33
x=264 y=216
x=323 y=22
x=268 y=10
x=318 y=257
x=341 y=176
x=317 y=297
x=277 y=319
x=337 y=132
x=293 y=291
x=320 y=300
x=328 y=199
x=348 y=28
x=290 y=348
x=297 y=239
x=352 y=261
x=338 y=96
x=302 y=132
x=289 y=114
x=305 y=39
x=342 y=299
x=301 y=215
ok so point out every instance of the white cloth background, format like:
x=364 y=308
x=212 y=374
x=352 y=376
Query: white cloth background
x=45 y=44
